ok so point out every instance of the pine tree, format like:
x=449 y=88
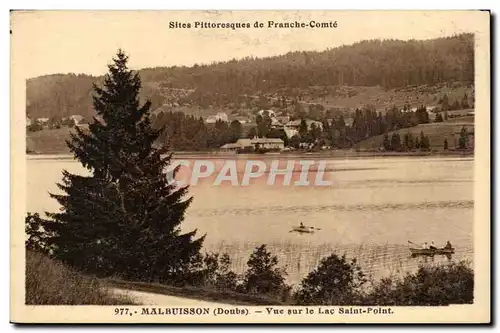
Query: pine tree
x=422 y=141
x=236 y=130
x=445 y=145
x=396 y=141
x=123 y=218
x=386 y=143
x=252 y=132
x=465 y=102
x=445 y=105
x=303 y=130
x=406 y=144
x=462 y=141
x=411 y=143
x=417 y=143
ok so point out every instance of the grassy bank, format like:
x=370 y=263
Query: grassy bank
x=52 y=142
x=198 y=293
x=49 y=282
x=431 y=285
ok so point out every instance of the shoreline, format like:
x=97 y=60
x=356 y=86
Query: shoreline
x=336 y=154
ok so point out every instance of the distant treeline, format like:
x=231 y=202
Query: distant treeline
x=388 y=63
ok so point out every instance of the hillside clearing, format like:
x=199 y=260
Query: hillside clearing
x=437 y=133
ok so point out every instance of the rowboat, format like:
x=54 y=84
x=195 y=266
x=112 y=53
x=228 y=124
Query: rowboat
x=306 y=230
x=431 y=252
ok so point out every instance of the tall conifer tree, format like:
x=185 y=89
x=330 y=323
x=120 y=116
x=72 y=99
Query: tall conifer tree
x=124 y=217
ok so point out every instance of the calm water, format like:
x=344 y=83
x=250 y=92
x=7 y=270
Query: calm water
x=374 y=206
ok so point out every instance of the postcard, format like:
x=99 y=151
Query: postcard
x=250 y=167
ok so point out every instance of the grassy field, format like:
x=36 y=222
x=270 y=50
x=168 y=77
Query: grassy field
x=48 y=141
x=49 y=282
x=436 y=132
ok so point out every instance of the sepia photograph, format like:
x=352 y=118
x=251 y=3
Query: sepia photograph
x=250 y=166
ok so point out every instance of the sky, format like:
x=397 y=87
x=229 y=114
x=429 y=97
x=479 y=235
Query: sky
x=49 y=42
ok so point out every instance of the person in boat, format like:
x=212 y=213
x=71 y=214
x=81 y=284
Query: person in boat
x=448 y=245
x=432 y=247
x=425 y=246
x=302 y=226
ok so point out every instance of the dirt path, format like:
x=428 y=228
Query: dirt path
x=144 y=298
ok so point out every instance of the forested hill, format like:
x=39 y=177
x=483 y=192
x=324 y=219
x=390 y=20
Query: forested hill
x=386 y=63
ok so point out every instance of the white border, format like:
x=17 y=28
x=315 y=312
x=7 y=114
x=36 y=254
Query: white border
x=148 y=4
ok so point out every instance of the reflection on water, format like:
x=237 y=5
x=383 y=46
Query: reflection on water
x=373 y=208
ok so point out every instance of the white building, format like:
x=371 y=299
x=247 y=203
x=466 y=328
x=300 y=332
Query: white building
x=270 y=113
x=77 y=119
x=295 y=124
x=255 y=143
x=220 y=116
x=268 y=143
x=42 y=121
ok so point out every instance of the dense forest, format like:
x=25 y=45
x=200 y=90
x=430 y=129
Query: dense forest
x=386 y=63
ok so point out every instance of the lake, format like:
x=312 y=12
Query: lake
x=371 y=210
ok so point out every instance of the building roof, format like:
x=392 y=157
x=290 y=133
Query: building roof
x=76 y=117
x=309 y=122
x=244 y=142
x=230 y=146
x=271 y=113
x=267 y=140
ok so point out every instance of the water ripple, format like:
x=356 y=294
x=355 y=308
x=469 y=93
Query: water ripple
x=460 y=204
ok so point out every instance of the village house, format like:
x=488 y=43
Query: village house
x=276 y=124
x=242 y=120
x=238 y=145
x=220 y=116
x=348 y=121
x=28 y=121
x=255 y=143
x=283 y=119
x=77 y=119
x=268 y=143
x=290 y=132
x=42 y=121
x=295 y=124
x=269 y=113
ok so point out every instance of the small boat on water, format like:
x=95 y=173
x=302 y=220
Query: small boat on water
x=448 y=250
x=306 y=230
x=431 y=252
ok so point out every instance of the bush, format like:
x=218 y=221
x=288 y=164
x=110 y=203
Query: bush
x=336 y=281
x=49 y=282
x=264 y=276
x=430 y=285
x=216 y=272
x=34 y=127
